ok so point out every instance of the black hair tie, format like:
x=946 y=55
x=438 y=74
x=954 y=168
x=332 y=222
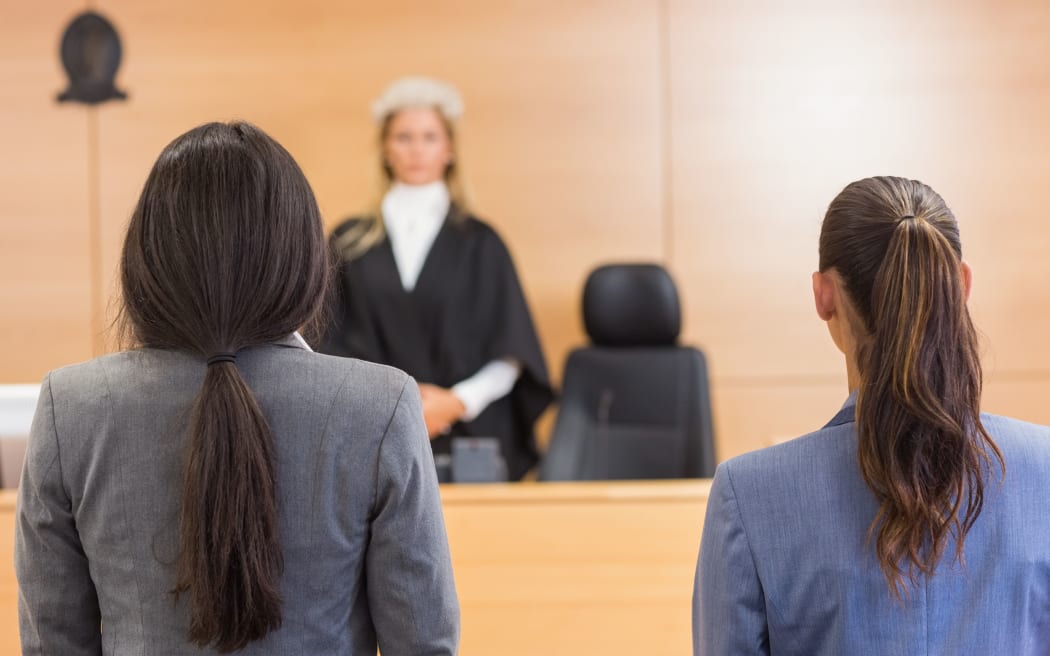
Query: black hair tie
x=222 y=357
x=907 y=216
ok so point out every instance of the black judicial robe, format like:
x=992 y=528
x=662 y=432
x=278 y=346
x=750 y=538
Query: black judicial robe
x=466 y=310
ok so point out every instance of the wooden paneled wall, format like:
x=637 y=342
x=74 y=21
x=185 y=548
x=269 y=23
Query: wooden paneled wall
x=708 y=136
x=773 y=111
x=47 y=286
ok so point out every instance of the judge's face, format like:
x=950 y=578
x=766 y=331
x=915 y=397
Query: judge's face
x=417 y=148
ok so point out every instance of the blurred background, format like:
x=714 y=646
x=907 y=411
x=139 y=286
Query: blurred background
x=706 y=136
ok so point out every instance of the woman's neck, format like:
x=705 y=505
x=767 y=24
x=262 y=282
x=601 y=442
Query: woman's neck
x=852 y=373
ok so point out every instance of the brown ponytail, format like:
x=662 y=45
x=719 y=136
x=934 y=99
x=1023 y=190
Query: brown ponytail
x=921 y=445
x=225 y=250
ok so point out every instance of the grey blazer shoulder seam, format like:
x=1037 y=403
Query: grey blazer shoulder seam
x=331 y=406
x=57 y=459
x=343 y=384
x=379 y=448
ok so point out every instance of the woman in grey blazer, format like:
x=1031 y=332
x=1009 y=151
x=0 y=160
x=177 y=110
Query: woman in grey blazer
x=910 y=523
x=221 y=487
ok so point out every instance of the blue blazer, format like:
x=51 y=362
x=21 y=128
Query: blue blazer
x=785 y=565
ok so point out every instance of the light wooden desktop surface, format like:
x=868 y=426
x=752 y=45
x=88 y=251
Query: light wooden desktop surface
x=543 y=568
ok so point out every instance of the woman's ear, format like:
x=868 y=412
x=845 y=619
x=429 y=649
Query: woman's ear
x=834 y=308
x=967 y=279
x=824 y=295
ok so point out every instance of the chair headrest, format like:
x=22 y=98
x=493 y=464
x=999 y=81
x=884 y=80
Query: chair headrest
x=631 y=305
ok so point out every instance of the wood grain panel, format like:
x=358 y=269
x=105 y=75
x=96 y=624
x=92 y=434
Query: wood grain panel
x=559 y=136
x=755 y=414
x=752 y=415
x=45 y=267
x=775 y=107
x=1023 y=396
x=576 y=568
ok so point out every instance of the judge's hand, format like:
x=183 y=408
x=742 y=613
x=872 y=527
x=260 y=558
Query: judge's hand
x=441 y=408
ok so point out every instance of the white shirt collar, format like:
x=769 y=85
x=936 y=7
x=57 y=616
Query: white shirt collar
x=294 y=340
x=300 y=341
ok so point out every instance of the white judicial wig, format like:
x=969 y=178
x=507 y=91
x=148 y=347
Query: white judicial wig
x=418 y=92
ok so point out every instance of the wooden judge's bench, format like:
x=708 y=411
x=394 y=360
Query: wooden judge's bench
x=542 y=568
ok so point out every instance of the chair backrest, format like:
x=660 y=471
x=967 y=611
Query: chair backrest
x=635 y=405
x=17 y=405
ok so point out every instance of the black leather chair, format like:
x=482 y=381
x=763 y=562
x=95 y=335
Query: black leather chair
x=634 y=404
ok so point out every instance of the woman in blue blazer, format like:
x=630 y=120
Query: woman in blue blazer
x=910 y=523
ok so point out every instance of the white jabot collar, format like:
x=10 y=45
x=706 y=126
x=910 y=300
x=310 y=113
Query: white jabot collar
x=413 y=215
x=431 y=199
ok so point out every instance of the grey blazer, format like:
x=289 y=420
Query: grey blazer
x=785 y=566
x=365 y=551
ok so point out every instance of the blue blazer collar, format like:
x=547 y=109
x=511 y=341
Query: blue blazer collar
x=847 y=414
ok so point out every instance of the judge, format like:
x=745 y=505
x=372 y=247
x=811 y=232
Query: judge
x=427 y=287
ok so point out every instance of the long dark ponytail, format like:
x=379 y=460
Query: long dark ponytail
x=922 y=448
x=225 y=250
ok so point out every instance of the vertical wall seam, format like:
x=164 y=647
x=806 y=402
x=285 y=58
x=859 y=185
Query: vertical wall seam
x=95 y=234
x=667 y=178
